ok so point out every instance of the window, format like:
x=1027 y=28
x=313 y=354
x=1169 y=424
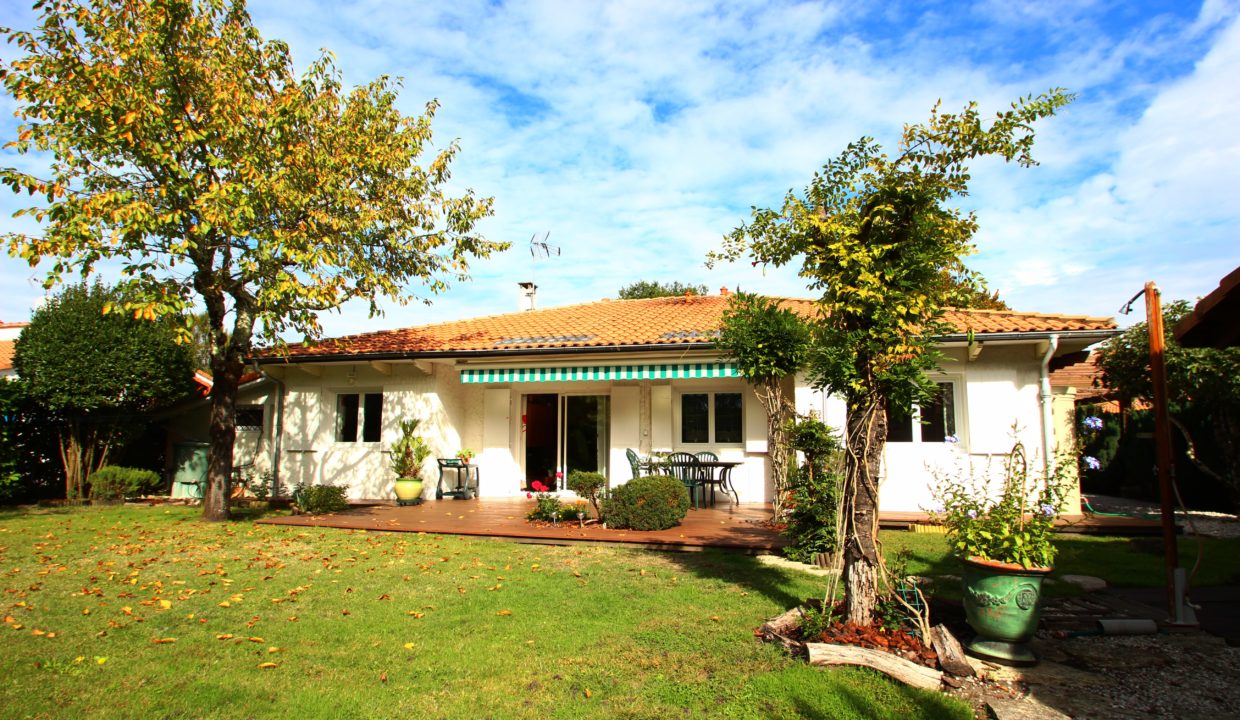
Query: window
x=710 y=418
x=359 y=410
x=933 y=422
x=249 y=418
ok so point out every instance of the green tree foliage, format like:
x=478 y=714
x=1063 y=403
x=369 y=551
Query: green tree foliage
x=185 y=147
x=1203 y=391
x=768 y=344
x=875 y=236
x=98 y=373
x=654 y=289
x=969 y=291
x=30 y=467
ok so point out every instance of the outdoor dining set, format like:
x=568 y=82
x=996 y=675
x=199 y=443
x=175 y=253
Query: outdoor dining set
x=698 y=471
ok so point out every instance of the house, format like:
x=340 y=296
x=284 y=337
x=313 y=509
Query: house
x=542 y=392
x=9 y=332
x=1215 y=320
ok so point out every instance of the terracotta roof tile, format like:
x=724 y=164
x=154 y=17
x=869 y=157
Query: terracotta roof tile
x=631 y=323
x=6 y=354
x=1085 y=376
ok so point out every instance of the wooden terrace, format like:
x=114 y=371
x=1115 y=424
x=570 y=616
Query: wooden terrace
x=735 y=527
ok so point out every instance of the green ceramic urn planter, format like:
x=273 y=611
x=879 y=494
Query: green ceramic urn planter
x=408 y=491
x=1002 y=603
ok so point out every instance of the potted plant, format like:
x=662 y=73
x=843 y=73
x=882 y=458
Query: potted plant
x=408 y=454
x=1004 y=542
x=465 y=455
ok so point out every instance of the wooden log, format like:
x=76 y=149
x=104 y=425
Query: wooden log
x=779 y=629
x=784 y=624
x=909 y=673
x=951 y=654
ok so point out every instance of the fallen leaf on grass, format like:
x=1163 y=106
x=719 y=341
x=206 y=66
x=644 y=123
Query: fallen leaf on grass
x=100 y=660
x=225 y=604
x=274 y=649
x=255 y=639
x=415 y=614
x=589 y=694
x=409 y=646
x=383 y=676
x=268 y=665
x=162 y=641
x=225 y=636
x=504 y=613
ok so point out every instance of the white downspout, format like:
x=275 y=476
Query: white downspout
x=1048 y=406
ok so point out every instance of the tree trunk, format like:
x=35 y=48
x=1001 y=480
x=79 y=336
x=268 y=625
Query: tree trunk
x=777 y=412
x=865 y=435
x=216 y=500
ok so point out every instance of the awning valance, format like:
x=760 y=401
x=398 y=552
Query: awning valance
x=667 y=371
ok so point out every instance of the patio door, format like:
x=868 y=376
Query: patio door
x=563 y=433
x=584 y=436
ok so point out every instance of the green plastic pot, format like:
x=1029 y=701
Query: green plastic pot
x=408 y=491
x=1002 y=603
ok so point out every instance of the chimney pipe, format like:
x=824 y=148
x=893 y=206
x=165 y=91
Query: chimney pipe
x=525 y=299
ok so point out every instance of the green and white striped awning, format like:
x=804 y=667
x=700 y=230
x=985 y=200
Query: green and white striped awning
x=669 y=371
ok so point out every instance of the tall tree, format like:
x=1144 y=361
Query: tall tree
x=1203 y=392
x=769 y=344
x=653 y=289
x=185 y=148
x=98 y=373
x=875 y=236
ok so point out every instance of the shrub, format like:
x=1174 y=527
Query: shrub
x=656 y=502
x=811 y=514
x=548 y=509
x=315 y=499
x=588 y=485
x=112 y=482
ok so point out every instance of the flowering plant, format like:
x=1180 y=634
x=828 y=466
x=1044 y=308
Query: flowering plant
x=549 y=507
x=1016 y=526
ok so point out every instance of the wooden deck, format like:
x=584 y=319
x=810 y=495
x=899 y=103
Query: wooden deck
x=739 y=527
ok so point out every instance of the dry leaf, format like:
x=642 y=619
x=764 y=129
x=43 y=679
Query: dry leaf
x=383 y=676
x=589 y=694
x=268 y=665
x=255 y=639
x=165 y=604
x=504 y=613
x=416 y=614
x=162 y=641
x=409 y=646
x=224 y=637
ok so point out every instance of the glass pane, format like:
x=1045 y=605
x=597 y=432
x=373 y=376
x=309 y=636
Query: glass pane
x=250 y=418
x=939 y=417
x=899 y=422
x=695 y=418
x=346 y=418
x=585 y=433
x=372 y=418
x=727 y=417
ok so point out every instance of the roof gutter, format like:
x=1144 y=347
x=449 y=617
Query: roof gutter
x=1091 y=335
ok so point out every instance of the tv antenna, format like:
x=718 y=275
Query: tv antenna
x=541 y=249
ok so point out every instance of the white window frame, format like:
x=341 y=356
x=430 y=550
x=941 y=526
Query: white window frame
x=361 y=394
x=959 y=412
x=710 y=392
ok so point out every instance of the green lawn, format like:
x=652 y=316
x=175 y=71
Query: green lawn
x=394 y=625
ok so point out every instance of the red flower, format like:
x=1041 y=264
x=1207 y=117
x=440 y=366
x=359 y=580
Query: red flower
x=538 y=486
x=529 y=495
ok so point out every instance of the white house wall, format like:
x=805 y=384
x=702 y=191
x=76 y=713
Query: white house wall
x=997 y=389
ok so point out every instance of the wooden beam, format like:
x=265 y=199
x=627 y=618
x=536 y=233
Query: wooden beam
x=314 y=370
x=975 y=349
x=424 y=366
x=382 y=367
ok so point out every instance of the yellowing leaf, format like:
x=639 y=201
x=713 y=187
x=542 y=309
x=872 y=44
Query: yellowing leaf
x=409 y=646
x=268 y=665
x=162 y=641
x=165 y=604
x=225 y=604
x=504 y=613
x=100 y=660
x=225 y=636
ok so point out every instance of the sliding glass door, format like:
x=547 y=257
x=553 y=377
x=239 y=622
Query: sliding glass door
x=563 y=433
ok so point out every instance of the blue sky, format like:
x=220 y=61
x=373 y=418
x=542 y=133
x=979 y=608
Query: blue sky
x=639 y=133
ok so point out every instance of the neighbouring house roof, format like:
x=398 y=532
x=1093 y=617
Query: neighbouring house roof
x=1086 y=377
x=7 y=348
x=1215 y=321
x=628 y=324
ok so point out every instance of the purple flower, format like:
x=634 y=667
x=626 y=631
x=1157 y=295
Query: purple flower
x=1092 y=422
x=1092 y=463
x=1048 y=510
x=972 y=513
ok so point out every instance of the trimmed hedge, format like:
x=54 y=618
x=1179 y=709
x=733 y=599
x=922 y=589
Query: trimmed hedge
x=657 y=502
x=112 y=482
